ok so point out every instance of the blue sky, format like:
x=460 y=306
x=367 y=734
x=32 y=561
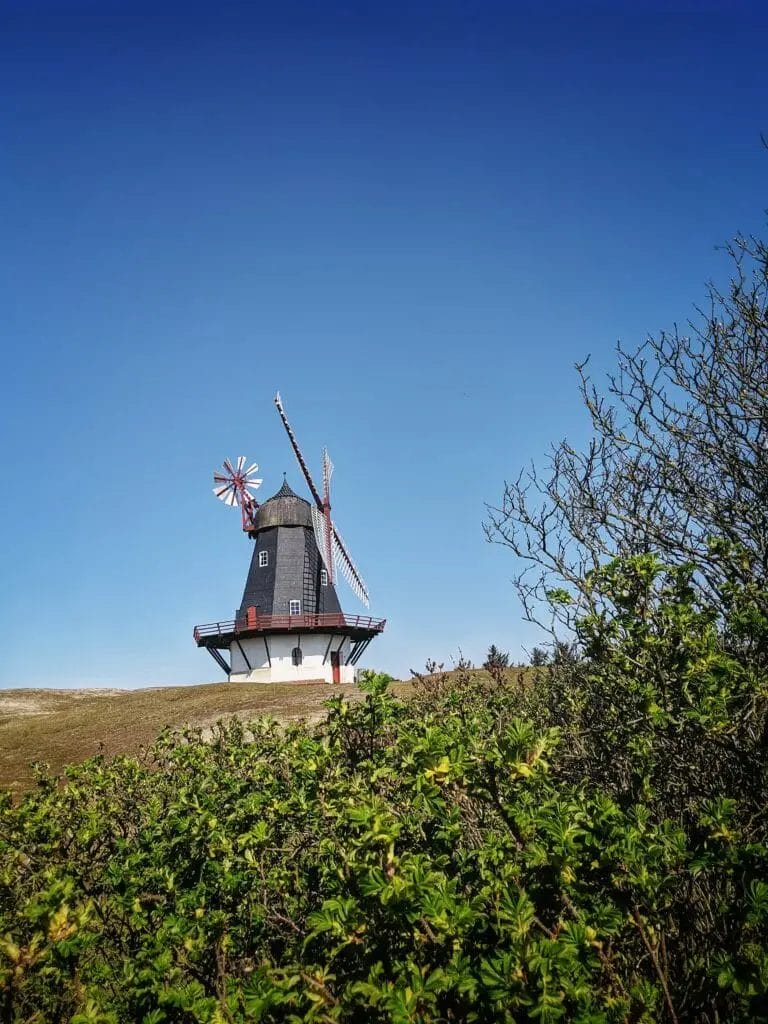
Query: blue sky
x=411 y=219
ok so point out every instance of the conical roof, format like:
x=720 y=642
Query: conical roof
x=284 y=508
x=286 y=491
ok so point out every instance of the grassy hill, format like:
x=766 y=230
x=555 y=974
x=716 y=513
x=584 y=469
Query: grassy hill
x=61 y=727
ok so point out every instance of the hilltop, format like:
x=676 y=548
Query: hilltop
x=62 y=727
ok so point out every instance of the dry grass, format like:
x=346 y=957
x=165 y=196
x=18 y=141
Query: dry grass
x=63 y=727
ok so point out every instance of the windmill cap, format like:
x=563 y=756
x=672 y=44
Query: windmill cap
x=285 y=508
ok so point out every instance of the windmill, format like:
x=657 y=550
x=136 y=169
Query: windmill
x=289 y=625
x=331 y=546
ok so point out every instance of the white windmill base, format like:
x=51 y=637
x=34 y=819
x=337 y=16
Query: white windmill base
x=252 y=660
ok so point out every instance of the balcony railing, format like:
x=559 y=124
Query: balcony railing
x=252 y=623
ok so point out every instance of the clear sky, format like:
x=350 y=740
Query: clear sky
x=409 y=218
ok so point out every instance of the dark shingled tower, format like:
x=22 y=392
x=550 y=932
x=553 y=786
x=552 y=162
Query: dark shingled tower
x=286 y=564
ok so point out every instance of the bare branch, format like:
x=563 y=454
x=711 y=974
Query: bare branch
x=678 y=457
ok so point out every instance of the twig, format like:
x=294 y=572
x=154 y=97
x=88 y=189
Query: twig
x=654 y=958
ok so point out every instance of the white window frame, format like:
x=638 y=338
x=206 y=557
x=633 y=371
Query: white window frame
x=294 y=607
x=263 y=559
x=323 y=577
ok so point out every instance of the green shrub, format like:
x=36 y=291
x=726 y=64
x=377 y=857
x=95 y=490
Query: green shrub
x=590 y=849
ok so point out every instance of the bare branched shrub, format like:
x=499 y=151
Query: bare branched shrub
x=678 y=456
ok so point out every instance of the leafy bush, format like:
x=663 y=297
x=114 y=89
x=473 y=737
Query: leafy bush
x=591 y=849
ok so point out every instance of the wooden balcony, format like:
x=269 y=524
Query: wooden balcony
x=221 y=634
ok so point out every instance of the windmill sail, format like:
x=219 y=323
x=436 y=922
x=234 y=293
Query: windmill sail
x=321 y=536
x=297 y=451
x=332 y=548
x=327 y=474
x=347 y=567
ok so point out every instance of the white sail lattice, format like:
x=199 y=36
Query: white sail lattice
x=347 y=567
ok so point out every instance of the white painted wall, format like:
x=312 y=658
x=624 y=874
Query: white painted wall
x=282 y=670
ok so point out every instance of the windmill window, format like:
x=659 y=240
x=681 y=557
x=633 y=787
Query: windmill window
x=296 y=656
x=323 y=577
x=263 y=559
x=294 y=607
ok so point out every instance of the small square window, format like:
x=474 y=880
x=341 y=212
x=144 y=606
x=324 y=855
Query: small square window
x=323 y=577
x=263 y=559
x=294 y=607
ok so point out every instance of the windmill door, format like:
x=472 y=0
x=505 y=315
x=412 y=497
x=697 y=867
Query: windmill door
x=335 y=670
